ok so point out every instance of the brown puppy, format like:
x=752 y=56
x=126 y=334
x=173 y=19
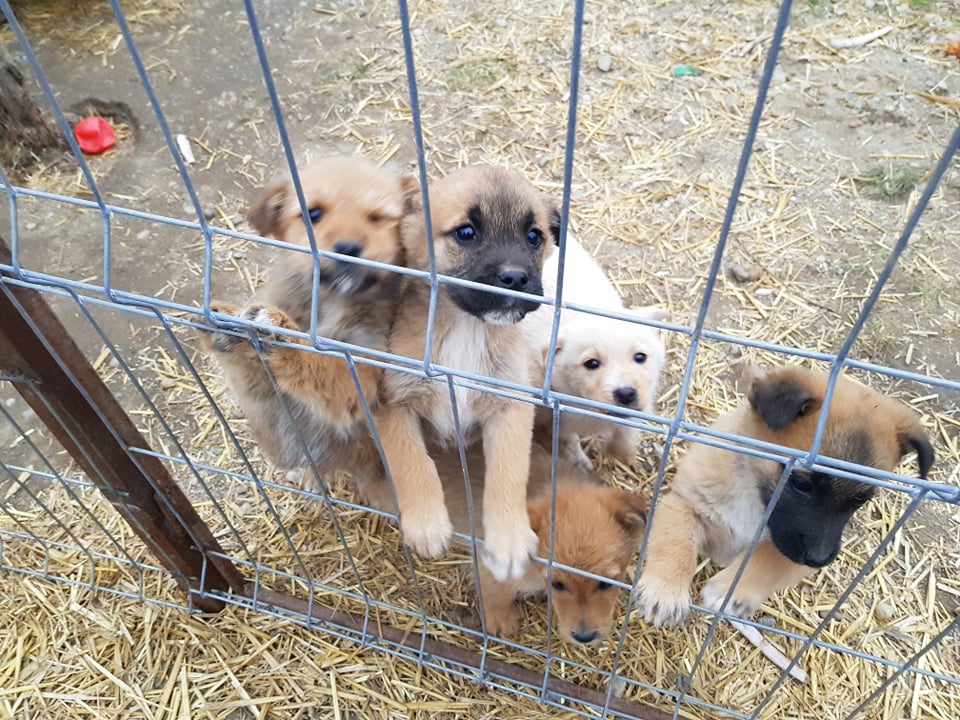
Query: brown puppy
x=490 y=226
x=318 y=419
x=716 y=502
x=597 y=529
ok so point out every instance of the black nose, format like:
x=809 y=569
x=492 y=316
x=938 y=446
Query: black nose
x=513 y=279
x=348 y=247
x=584 y=636
x=818 y=558
x=625 y=395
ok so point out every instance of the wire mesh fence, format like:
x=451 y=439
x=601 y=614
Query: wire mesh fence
x=134 y=268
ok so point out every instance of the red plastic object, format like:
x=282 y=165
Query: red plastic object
x=94 y=135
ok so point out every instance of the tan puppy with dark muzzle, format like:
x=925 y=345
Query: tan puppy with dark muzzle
x=716 y=502
x=596 y=529
x=490 y=226
x=318 y=420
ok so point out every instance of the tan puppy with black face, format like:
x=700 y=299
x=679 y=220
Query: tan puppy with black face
x=318 y=419
x=715 y=503
x=490 y=226
x=597 y=529
x=605 y=360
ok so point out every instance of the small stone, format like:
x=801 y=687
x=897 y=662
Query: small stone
x=884 y=611
x=542 y=160
x=763 y=292
x=31 y=226
x=168 y=383
x=501 y=22
x=605 y=62
x=746 y=273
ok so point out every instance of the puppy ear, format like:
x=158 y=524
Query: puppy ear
x=781 y=398
x=913 y=437
x=267 y=209
x=545 y=350
x=555 y=224
x=630 y=512
x=412 y=199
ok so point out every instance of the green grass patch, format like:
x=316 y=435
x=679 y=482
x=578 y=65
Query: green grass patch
x=894 y=182
x=476 y=75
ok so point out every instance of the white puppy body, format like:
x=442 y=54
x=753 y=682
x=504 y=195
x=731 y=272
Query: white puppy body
x=605 y=360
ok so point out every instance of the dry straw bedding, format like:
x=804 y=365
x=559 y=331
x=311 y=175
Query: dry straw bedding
x=655 y=160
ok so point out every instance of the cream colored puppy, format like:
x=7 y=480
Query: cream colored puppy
x=605 y=360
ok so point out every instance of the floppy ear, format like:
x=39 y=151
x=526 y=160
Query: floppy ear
x=914 y=438
x=555 y=225
x=266 y=210
x=780 y=399
x=412 y=200
x=630 y=511
x=546 y=349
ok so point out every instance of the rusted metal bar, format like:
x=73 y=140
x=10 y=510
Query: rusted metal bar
x=455 y=654
x=80 y=411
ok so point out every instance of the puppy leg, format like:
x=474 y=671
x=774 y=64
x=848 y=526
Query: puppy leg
x=322 y=382
x=423 y=513
x=498 y=600
x=663 y=591
x=571 y=448
x=623 y=443
x=508 y=540
x=766 y=573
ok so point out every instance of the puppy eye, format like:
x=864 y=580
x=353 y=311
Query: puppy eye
x=535 y=238
x=559 y=586
x=592 y=364
x=376 y=217
x=801 y=483
x=640 y=358
x=465 y=234
x=315 y=213
x=603 y=585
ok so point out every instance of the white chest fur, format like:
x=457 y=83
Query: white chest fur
x=464 y=348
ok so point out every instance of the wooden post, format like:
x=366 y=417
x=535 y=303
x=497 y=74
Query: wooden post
x=80 y=411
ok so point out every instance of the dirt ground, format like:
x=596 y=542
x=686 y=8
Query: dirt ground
x=847 y=141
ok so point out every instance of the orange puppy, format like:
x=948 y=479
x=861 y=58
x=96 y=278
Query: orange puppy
x=597 y=529
x=317 y=420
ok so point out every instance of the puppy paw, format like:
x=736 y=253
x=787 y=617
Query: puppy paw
x=507 y=549
x=660 y=601
x=227 y=342
x=742 y=602
x=574 y=454
x=503 y=622
x=427 y=530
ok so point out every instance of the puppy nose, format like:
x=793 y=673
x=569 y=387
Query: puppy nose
x=348 y=247
x=584 y=637
x=513 y=279
x=818 y=558
x=625 y=395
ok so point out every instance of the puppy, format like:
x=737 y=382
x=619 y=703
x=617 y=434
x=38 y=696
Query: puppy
x=318 y=419
x=597 y=529
x=600 y=359
x=490 y=226
x=718 y=497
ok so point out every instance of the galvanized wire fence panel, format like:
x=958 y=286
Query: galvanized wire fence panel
x=256 y=526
